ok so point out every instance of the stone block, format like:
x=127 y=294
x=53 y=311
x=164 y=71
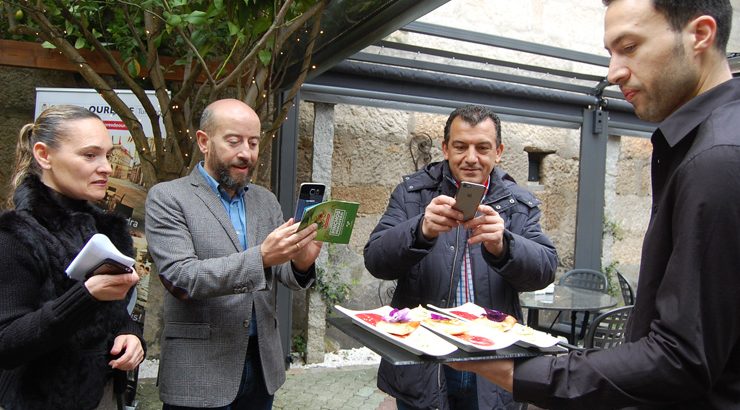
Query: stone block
x=373 y=199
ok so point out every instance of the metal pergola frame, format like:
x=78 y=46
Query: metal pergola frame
x=417 y=78
x=397 y=77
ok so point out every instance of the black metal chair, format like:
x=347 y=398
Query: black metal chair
x=628 y=295
x=583 y=279
x=607 y=329
x=386 y=288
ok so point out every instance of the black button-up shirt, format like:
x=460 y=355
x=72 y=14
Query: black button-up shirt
x=683 y=347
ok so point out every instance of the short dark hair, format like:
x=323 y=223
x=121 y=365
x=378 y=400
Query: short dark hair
x=474 y=114
x=679 y=12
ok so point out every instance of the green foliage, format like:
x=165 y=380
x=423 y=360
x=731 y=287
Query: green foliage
x=299 y=345
x=613 y=228
x=222 y=45
x=611 y=274
x=331 y=288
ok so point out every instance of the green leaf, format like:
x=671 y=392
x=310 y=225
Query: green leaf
x=80 y=43
x=261 y=25
x=178 y=3
x=198 y=37
x=158 y=40
x=233 y=28
x=173 y=20
x=265 y=56
x=47 y=44
x=196 y=18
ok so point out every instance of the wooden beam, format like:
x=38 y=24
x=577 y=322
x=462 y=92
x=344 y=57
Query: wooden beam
x=32 y=55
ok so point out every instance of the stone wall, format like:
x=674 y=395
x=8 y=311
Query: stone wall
x=371 y=153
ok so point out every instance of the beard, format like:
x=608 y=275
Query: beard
x=228 y=181
x=672 y=87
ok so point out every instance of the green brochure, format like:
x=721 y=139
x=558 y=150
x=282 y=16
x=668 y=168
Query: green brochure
x=335 y=219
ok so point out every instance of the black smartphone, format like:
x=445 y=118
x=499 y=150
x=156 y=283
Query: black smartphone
x=311 y=193
x=468 y=198
x=109 y=267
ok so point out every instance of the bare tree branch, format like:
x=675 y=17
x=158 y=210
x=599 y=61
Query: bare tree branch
x=288 y=102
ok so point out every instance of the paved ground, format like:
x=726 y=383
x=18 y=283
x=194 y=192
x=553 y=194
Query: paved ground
x=318 y=388
x=350 y=387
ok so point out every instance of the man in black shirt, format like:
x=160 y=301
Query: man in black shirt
x=683 y=339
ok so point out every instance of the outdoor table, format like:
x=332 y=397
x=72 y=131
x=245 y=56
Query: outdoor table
x=565 y=298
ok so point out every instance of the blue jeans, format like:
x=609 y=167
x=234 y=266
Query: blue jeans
x=462 y=391
x=252 y=394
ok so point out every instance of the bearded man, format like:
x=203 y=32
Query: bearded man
x=220 y=245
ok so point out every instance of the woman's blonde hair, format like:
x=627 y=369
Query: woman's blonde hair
x=50 y=128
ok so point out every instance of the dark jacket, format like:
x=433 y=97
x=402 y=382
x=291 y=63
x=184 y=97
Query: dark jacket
x=428 y=271
x=684 y=332
x=55 y=337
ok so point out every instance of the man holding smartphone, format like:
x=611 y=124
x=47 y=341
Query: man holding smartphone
x=424 y=242
x=221 y=247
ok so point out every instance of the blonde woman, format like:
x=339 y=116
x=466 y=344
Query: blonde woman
x=62 y=341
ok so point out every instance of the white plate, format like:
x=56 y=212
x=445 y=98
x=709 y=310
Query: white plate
x=532 y=337
x=462 y=311
x=420 y=341
x=477 y=338
x=524 y=335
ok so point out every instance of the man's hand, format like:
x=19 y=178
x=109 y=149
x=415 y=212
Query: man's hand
x=133 y=352
x=500 y=372
x=111 y=287
x=287 y=243
x=488 y=228
x=440 y=217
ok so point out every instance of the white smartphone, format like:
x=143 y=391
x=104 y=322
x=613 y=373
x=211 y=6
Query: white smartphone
x=468 y=198
x=311 y=193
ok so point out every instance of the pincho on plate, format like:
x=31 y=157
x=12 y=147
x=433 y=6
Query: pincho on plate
x=500 y=322
x=461 y=333
x=400 y=328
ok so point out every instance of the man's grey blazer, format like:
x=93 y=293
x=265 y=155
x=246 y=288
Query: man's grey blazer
x=213 y=285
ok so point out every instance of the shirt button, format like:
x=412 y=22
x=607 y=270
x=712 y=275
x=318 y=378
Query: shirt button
x=452 y=247
x=411 y=187
x=246 y=323
x=511 y=201
x=498 y=206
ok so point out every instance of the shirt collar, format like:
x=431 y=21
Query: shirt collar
x=682 y=121
x=215 y=186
